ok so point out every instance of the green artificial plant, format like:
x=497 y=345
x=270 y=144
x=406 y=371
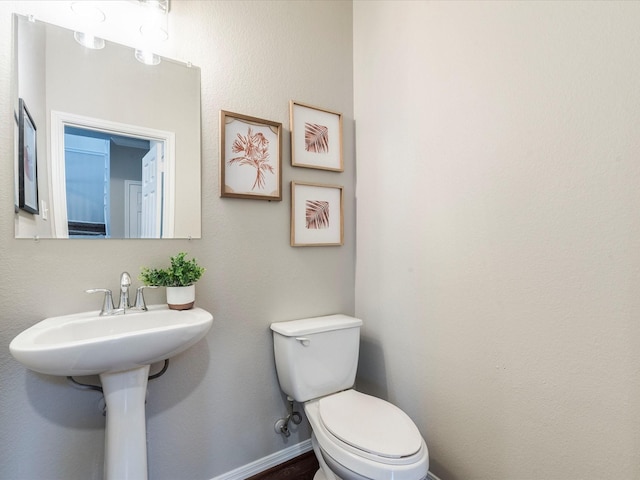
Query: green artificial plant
x=181 y=273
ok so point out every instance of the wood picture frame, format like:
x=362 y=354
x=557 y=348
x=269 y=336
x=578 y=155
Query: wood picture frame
x=250 y=157
x=317 y=215
x=316 y=137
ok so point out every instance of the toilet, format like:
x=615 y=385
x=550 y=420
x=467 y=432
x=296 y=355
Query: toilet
x=354 y=436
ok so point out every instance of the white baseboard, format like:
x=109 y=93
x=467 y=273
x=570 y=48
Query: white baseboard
x=265 y=463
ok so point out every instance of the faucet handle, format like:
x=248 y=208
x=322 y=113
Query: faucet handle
x=140 y=305
x=107 y=304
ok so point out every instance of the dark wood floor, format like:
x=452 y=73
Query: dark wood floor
x=302 y=467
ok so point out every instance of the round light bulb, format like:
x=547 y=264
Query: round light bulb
x=147 y=57
x=88 y=12
x=88 y=40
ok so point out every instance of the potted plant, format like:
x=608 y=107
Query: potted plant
x=179 y=279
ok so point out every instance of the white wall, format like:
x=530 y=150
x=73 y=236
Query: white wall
x=32 y=72
x=215 y=408
x=498 y=268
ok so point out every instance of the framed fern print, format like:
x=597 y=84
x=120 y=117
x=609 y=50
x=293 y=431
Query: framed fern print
x=317 y=215
x=316 y=137
x=250 y=157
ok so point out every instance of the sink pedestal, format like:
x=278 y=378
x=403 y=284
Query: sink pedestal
x=119 y=348
x=125 y=456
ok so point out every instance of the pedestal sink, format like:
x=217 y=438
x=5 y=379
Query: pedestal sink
x=120 y=349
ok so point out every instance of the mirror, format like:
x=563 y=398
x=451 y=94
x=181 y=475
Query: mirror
x=117 y=142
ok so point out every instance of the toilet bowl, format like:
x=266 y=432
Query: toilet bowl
x=355 y=436
x=361 y=437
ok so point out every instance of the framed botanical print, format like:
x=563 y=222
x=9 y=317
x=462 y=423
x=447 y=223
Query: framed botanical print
x=250 y=157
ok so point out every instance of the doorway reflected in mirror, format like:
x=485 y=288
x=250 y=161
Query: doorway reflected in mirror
x=113 y=184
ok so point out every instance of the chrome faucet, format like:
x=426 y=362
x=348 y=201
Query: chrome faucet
x=123 y=306
x=125 y=283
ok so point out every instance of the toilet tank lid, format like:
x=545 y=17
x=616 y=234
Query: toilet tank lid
x=307 y=326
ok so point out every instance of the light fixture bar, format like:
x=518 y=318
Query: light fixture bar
x=88 y=12
x=162 y=5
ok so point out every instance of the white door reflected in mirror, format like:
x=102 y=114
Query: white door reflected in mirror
x=114 y=182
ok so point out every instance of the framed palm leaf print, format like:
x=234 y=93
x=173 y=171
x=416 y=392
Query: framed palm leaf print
x=250 y=157
x=317 y=215
x=316 y=137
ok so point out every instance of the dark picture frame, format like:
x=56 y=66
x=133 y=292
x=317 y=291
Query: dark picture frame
x=16 y=138
x=27 y=161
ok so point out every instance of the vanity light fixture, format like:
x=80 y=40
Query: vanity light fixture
x=154 y=29
x=148 y=17
x=88 y=40
x=147 y=57
x=89 y=14
x=155 y=24
x=162 y=5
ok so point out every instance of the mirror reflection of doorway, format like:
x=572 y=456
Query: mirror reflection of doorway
x=113 y=184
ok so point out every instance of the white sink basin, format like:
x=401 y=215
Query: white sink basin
x=120 y=349
x=87 y=344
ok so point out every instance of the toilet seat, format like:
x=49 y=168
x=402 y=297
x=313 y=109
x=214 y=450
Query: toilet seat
x=351 y=450
x=370 y=424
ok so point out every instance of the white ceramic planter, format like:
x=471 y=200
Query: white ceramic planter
x=181 y=298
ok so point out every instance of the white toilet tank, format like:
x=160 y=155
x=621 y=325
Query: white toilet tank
x=316 y=356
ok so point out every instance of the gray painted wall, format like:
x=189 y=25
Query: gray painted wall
x=215 y=408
